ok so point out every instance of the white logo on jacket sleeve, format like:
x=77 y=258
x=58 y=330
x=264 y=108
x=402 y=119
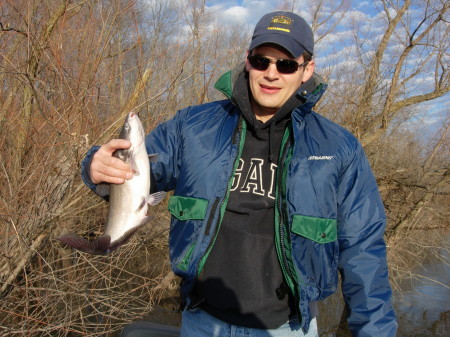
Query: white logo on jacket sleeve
x=320 y=157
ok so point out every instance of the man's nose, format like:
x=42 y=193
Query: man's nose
x=272 y=71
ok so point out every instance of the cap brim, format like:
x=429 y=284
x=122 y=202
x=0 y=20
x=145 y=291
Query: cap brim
x=285 y=42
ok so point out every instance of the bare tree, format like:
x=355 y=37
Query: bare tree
x=426 y=34
x=66 y=81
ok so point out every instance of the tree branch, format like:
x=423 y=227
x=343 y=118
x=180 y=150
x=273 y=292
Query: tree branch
x=7 y=28
x=374 y=71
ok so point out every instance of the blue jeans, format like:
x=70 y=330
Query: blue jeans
x=198 y=323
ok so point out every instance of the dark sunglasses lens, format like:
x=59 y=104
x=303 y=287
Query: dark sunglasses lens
x=259 y=62
x=287 y=66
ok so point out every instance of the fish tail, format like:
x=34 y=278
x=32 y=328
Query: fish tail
x=99 y=246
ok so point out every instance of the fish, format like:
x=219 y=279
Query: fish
x=128 y=202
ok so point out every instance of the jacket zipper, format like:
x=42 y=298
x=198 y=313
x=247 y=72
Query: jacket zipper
x=282 y=215
x=282 y=221
x=202 y=260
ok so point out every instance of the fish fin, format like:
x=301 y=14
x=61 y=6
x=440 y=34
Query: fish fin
x=155 y=198
x=153 y=157
x=134 y=166
x=99 y=246
x=127 y=235
x=103 y=189
x=143 y=203
x=103 y=244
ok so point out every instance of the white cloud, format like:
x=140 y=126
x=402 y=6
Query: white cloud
x=352 y=16
x=362 y=4
x=235 y=14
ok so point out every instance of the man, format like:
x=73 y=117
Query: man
x=270 y=200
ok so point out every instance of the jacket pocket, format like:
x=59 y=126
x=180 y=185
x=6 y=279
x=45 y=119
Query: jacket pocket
x=187 y=208
x=187 y=218
x=315 y=252
x=317 y=229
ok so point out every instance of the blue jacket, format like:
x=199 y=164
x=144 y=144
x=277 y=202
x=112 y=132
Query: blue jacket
x=329 y=217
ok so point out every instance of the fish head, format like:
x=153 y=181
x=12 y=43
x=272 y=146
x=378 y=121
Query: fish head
x=132 y=129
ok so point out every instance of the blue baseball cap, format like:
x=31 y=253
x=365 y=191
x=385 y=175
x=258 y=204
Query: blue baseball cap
x=285 y=29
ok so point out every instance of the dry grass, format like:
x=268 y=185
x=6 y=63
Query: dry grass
x=67 y=293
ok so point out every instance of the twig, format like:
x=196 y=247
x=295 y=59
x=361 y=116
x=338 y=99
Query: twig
x=23 y=262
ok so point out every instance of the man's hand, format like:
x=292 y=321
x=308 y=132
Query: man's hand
x=108 y=169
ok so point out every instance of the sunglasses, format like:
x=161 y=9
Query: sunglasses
x=283 y=66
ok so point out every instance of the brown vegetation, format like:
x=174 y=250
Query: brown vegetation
x=71 y=69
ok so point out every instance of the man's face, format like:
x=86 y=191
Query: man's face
x=271 y=89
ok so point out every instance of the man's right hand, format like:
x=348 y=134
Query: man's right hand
x=108 y=169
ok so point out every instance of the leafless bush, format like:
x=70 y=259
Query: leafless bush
x=70 y=72
x=63 y=293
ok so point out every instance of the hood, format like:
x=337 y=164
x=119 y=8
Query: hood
x=234 y=84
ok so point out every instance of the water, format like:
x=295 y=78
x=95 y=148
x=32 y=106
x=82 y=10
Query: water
x=423 y=303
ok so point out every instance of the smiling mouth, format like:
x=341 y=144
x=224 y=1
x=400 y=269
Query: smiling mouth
x=269 y=89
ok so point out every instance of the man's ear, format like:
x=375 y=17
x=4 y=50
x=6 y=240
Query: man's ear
x=309 y=71
x=247 y=64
